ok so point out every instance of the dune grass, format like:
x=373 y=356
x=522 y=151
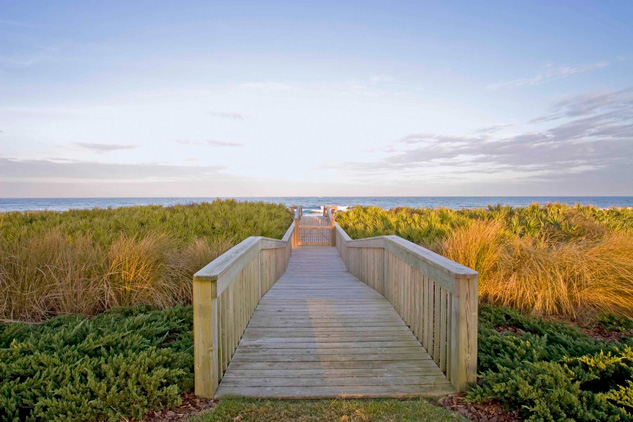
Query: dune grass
x=86 y=261
x=258 y=410
x=571 y=261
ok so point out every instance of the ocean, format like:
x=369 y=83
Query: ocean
x=314 y=204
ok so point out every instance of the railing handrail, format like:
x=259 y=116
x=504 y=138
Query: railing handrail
x=445 y=320
x=225 y=294
x=223 y=263
x=425 y=260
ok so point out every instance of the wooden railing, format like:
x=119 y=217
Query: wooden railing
x=225 y=295
x=436 y=297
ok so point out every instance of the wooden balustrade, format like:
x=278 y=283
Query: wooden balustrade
x=436 y=297
x=225 y=294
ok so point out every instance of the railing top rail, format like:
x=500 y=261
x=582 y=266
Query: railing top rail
x=220 y=265
x=288 y=235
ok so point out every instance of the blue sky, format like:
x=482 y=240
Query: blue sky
x=151 y=98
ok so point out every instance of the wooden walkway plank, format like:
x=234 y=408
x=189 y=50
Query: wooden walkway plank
x=320 y=332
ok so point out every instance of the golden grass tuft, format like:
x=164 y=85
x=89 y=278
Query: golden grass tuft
x=59 y=263
x=475 y=246
x=547 y=260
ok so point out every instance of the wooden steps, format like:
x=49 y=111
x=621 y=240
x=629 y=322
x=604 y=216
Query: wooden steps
x=322 y=333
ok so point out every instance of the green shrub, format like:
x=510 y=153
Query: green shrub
x=551 y=371
x=119 y=364
x=543 y=391
x=613 y=322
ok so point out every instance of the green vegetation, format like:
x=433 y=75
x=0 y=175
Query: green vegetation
x=119 y=364
x=128 y=361
x=572 y=261
x=254 y=410
x=551 y=371
x=86 y=261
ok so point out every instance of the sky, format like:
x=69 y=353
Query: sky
x=325 y=98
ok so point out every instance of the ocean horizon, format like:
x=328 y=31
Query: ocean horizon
x=314 y=203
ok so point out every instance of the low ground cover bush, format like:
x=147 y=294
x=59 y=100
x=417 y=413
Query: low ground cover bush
x=86 y=261
x=117 y=365
x=128 y=361
x=551 y=371
x=572 y=261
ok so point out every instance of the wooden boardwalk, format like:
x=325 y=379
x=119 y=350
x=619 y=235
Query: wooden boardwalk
x=320 y=332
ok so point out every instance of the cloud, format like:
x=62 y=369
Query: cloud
x=590 y=133
x=494 y=128
x=549 y=74
x=265 y=87
x=27 y=59
x=15 y=23
x=103 y=148
x=77 y=171
x=227 y=115
x=211 y=143
x=380 y=79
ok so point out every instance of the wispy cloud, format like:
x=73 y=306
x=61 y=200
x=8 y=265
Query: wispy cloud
x=69 y=170
x=587 y=134
x=265 y=87
x=374 y=80
x=550 y=73
x=227 y=115
x=15 y=23
x=103 y=148
x=211 y=143
x=27 y=59
x=494 y=128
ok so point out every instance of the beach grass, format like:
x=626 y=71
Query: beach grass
x=554 y=259
x=86 y=261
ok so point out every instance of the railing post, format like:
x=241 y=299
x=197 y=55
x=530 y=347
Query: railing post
x=332 y=230
x=205 y=337
x=464 y=333
x=295 y=236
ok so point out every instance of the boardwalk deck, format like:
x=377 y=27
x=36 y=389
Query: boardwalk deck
x=321 y=333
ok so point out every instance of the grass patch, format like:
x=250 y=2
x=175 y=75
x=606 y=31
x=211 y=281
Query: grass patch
x=571 y=261
x=387 y=410
x=86 y=261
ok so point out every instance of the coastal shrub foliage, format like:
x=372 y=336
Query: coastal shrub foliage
x=549 y=259
x=86 y=261
x=117 y=365
x=551 y=371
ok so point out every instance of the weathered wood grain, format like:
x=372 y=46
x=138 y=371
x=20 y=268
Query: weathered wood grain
x=436 y=297
x=321 y=332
